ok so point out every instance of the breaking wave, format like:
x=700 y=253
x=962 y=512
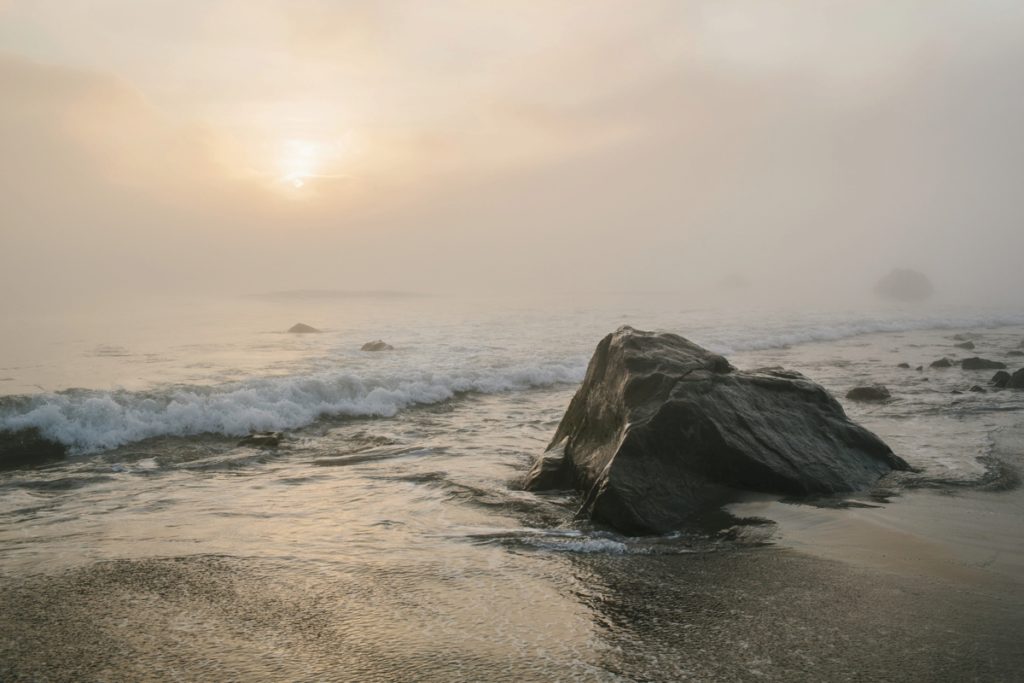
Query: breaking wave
x=89 y=421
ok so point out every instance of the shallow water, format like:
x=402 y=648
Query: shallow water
x=386 y=538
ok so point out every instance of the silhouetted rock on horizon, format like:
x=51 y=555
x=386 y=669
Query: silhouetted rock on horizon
x=942 y=363
x=969 y=345
x=874 y=392
x=28 y=447
x=662 y=429
x=262 y=440
x=302 y=328
x=981 y=364
x=377 y=345
x=903 y=284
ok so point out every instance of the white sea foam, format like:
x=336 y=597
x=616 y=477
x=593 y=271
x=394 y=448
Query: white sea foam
x=90 y=421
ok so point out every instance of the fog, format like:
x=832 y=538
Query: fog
x=237 y=147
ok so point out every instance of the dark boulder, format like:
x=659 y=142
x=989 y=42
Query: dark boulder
x=904 y=285
x=969 y=345
x=1016 y=380
x=28 y=447
x=377 y=345
x=942 y=363
x=905 y=366
x=662 y=429
x=874 y=392
x=920 y=368
x=262 y=440
x=302 y=328
x=1015 y=353
x=1001 y=379
x=981 y=364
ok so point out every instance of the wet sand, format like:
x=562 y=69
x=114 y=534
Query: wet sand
x=742 y=614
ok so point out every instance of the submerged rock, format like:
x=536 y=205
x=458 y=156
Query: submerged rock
x=981 y=364
x=302 y=328
x=377 y=345
x=942 y=363
x=905 y=285
x=262 y=440
x=1015 y=353
x=905 y=366
x=978 y=389
x=874 y=392
x=969 y=345
x=28 y=447
x=661 y=429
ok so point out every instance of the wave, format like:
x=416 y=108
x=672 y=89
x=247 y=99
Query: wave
x=90 y=421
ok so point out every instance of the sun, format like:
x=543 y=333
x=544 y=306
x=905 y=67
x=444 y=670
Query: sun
x=300 y=160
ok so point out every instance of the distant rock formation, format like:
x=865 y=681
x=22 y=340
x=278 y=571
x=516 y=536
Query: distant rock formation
x=662 y=429
x=981 y=364
x=302 y=328
x=941 y=363
x=28 y=447
x=905 y=366
x=904 y=285
x=262 y=440
x=874 y=392
x=969 y=345
x=377 y=345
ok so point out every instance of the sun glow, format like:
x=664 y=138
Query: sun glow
x=300 y=160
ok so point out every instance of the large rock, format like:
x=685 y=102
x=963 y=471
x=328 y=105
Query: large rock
x=1001 y=379
x=28 y=447
x=302 y=328
x=904 y=285
x=662 y=428
x=981 y=364
x=941 y=363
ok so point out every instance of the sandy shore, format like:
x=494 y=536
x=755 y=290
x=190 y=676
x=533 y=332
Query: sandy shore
x=754 y=614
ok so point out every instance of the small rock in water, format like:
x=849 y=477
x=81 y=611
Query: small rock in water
x=302 y=328
x=262 y=440
x=920 y=368
x=942 y=363
x=1001 y=379
x=874 y=392
x=978 y=390
x=969 y=345
x=377 y=345
x=1015 y=353
x=981 y=364
x=905 y=366
x=1016 y=380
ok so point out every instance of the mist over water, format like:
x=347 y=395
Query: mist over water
x=826 y=186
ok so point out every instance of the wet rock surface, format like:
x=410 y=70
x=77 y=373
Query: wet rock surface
x=377 y=345
x=981 y=364
x=661 y=429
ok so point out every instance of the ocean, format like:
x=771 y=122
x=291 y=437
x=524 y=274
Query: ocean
x=387 y=538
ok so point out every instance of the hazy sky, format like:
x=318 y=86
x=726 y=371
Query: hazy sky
x=253 y=145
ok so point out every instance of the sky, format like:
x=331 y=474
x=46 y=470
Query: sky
x=239 y=146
